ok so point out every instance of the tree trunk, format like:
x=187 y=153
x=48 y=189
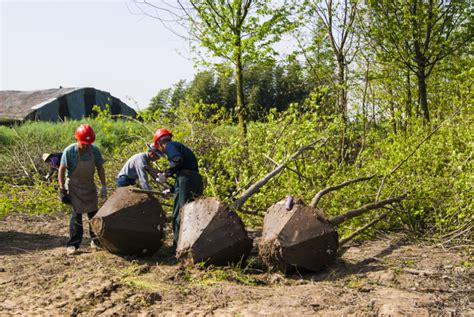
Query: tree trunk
x=408 y=104
x=422 y=93
x=240 y=107
x=393 y=113
x=342 y=100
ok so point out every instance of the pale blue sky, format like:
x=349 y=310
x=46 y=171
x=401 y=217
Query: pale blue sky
x=98 y=44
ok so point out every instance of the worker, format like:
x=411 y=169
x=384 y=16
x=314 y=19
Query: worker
x=184 y=166
x=54 y=160
x=135 y=169
x=76 y=184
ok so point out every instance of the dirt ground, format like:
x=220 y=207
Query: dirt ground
x=389 y=276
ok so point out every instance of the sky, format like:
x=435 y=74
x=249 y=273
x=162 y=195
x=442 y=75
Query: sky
x=102 y=44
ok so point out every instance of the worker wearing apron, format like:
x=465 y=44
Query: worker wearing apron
x=80 y=160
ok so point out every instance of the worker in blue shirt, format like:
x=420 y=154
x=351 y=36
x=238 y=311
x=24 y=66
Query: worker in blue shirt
x=76 y=184
x=184 y=166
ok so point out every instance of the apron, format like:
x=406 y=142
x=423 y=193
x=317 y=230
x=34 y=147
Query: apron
x=81 y=186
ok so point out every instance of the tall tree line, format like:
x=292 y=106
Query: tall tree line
x=382 y=60
x=265 y=86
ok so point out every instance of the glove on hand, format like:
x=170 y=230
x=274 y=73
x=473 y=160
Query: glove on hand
x=103 y=191
x=161 y=178
x=64 y=196
x=166 y=193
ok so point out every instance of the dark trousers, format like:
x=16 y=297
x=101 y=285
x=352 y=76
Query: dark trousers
x=123 y=181
x=76 y=230
x=186 y=189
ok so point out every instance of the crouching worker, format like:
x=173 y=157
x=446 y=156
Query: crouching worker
x=53 y=159
x=76 y=184
x=183 y=165
x=135 y=169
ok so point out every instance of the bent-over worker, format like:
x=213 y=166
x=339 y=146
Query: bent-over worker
x=76 y=184
x=135 y=169
x=183 y=165
x=54 y=159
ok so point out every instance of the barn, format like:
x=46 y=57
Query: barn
x=57 y=104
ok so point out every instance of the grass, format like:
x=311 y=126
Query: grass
x=209 y=275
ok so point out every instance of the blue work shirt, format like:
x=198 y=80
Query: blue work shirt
x=71 y=154
x=180 y=158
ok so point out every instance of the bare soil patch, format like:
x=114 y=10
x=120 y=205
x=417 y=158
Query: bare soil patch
x=389 y=276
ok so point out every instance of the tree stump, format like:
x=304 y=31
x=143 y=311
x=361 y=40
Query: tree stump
x=130 y=223
x=300 y=237
x=212 y=233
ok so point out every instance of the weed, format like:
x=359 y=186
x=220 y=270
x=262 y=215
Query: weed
x=409 y=263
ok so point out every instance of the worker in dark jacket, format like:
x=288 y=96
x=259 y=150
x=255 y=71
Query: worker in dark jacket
x=184 y=166
x=54 y=159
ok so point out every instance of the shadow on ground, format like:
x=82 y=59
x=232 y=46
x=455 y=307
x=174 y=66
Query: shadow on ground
x=342 y=268
x=14 y=242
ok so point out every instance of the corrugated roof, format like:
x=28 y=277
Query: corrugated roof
x=19 y=104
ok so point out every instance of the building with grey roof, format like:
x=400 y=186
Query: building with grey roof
x=58 y=104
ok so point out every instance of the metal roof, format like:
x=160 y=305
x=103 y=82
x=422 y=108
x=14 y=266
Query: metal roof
x=18 y=105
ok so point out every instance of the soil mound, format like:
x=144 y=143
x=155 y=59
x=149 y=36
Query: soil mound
x=130 y=223
x=300 y=237
x=211 y=232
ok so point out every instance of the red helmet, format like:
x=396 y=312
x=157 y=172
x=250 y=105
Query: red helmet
x=161 y=133
x=85 y=134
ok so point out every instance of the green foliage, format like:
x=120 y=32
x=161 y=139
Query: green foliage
x=436 y=178
x=31 y=198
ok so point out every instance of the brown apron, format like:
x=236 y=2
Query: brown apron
x=81 y=186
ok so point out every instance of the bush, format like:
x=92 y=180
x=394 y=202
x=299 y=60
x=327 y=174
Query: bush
x=436 y=178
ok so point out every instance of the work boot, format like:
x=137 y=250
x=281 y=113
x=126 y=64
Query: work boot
x=71 y=250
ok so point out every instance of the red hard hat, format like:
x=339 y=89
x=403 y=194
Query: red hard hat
x=161 y=133
x=85 y=134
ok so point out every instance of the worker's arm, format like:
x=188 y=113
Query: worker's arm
x=142 y=175
x=103 y=188
x=101 y=172
x=61 y=175
x=175 y=159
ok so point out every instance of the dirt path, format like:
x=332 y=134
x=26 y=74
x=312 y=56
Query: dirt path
x=387 y=277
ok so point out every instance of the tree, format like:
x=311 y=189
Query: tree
x=419 y=34
x=259 y=89
x=226 y=90
x=203 y=88
x=235 y=32
x=292 y=84
x=162 y=101
x=179 y=93
x=337 y=19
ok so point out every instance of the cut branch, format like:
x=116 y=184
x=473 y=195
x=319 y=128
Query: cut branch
x=357 y=212
x=261 y=182
x=320 y=194
x=362 y=229
x=289 y=168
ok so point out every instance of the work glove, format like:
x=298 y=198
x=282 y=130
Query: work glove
x=64 y=196
x=103 y=191
x=166 y=193
x=161 y=178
